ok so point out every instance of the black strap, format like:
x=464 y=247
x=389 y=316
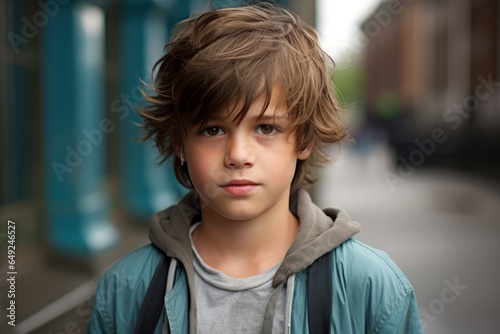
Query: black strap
x=152 y=305
x=319 y=295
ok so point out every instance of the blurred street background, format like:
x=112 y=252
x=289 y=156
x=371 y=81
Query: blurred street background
x=420 y=81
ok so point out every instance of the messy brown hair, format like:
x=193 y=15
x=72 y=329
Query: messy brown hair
x=232 y=55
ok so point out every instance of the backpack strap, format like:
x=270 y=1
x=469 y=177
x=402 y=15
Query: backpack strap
x=152 y=305
x=319 y=294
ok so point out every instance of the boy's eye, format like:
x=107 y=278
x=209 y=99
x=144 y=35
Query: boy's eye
x=213 y=131
x=266 y=129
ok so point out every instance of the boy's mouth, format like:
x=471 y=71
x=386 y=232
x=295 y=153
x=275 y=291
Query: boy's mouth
x=239 y=187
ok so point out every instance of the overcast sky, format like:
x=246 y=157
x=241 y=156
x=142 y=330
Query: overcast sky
x=338 y=22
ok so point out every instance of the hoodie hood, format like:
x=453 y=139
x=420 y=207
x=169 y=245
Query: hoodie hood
x=319 y=232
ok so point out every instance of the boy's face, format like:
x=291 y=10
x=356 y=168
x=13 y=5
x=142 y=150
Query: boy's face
x=242 y=171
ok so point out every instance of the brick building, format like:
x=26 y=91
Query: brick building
x=434 y=65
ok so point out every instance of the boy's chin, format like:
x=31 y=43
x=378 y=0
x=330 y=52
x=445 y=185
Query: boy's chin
x=235 y=211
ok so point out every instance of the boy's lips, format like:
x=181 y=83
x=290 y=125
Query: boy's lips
x=240 y=182
x=239 y=187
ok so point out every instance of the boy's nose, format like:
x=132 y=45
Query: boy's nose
x=240 y=153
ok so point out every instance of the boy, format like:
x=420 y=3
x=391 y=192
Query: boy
x=244 y=101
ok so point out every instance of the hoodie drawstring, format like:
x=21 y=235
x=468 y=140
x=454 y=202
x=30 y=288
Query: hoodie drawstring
x=290 y=287
x=268 y=325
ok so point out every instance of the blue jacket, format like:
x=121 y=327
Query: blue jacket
x=370 y=293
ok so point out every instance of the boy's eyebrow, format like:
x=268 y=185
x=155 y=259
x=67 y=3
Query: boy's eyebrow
x=268 y=117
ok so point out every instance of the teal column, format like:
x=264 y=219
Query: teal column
x=145 y=30
x=75 y=131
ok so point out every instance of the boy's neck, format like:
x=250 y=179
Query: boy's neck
x=245 y=248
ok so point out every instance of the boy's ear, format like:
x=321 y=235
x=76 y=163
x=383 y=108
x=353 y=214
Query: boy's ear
x=305 y=153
